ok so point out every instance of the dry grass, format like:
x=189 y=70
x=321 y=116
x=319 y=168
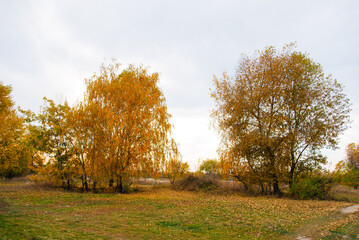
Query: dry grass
x=347 y=194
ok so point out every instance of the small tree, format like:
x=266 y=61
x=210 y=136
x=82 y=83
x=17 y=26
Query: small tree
x=52 y=136
x=313 y=185
x=347 y=172
x=276 y=113
x=352 y=158
x=209 y=166
x=175 y=168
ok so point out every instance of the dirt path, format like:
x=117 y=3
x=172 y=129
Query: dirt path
x=350 y=209
x=318 y=229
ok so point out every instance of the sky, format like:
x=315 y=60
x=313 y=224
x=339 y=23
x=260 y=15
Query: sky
x=48 y=48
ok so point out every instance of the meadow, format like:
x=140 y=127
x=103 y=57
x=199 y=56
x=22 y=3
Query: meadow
x=36 y=211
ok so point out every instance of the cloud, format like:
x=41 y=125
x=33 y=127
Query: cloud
x=49 y=47
x=197 y=140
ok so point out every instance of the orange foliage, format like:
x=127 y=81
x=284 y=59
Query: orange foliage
x=13 y=157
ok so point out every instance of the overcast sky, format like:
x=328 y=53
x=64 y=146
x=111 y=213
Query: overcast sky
x=48 y=48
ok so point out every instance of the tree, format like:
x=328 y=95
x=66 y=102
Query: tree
x=347 y=172
x=129 y=129
x=13 y=159
x=175 y=168
x=277 y=112
x=52 y=135
x=80 y=122
x=209 y=166
x=352 y=158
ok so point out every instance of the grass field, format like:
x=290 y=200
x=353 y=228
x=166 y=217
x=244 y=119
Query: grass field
x=30 y=211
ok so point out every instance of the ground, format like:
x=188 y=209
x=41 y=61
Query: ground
x=31 y=211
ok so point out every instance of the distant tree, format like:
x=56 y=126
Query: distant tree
x=13 y=158
x=175 y=168
x=347 y=172
x=209 y=166
x=352 y=157
x=276 y=113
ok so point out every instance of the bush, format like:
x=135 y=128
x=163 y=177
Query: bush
x=196 y=183
x=312 y=186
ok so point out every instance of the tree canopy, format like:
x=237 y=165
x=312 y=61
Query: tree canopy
x=13 y=158
x=129 y=127
x=352 y=158
x=275 y=115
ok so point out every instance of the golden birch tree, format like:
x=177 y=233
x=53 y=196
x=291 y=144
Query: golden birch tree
x=130 y=123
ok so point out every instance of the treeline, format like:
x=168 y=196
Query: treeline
x=119 y=131
x=315 y=183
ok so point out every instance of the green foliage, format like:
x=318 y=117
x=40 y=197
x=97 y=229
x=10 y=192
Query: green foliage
x=312 y=186
x=209 y=166
x=347 y=176
x=51 y=135
x=347 y=171
x=351 y=178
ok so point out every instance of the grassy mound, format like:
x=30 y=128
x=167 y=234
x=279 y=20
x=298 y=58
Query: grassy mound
x=197 y=183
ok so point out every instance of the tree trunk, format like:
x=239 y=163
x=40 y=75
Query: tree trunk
x=262 y=188
x=291 y=176
x=68 y=184
x=85 y=185
x=94 y=187
x=120 y=185
x=276 y=189
x=290 y=183
x=246 y=186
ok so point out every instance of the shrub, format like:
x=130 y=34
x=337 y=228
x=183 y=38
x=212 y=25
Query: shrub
x=312 y=186
x=197 y=183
